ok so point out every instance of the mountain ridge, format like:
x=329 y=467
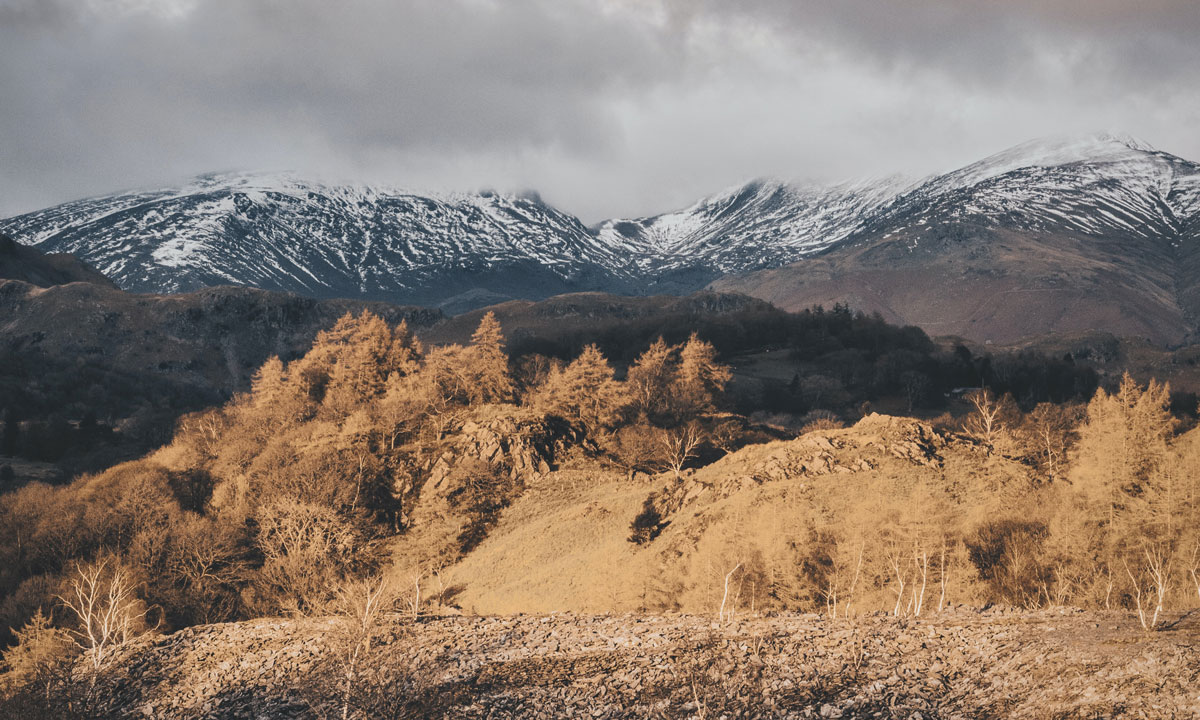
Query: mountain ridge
x=1127 y=207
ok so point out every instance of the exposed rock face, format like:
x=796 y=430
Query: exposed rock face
x=523 y=446
x=959 y=664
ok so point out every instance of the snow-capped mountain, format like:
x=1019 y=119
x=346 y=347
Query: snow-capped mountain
x=282 y=233
x=1096 y=185
x=1061 y=235
x=463 y=250
x=764 y=223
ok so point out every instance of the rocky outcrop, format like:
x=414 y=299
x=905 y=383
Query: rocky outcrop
x=523 y=445
x=484 y=462
x=961 y=663
x=873 y=441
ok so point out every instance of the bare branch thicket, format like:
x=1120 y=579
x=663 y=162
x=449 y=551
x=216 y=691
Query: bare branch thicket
x=833 y=587
x=726 y=436
x=207 y=428
x=1064 y=586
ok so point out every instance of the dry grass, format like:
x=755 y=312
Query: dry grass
x=562 y=546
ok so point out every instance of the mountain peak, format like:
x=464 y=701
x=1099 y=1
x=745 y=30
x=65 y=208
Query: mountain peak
x=1065 y=149
x=1055 y=151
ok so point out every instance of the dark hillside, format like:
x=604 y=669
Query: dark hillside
x=80 y=360
x=18 y=262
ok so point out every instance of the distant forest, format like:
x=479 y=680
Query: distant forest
x=83 y=414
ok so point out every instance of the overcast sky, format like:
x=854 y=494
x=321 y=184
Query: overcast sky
x=606 y=107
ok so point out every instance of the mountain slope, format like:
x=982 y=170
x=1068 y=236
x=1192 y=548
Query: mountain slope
x=761 y=224
x=459 y=251
x=1046 y=237
x=18 y=262
x=87 y=349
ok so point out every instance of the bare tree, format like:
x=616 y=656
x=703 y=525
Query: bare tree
x=107 y=608
x=921 y=561
x=680 y=445
x=721 y=614
x=898 y=564
x=943 y=577
x=727 y=435
x=1050 y=429
x=412 y=600
x=988 y=421
x=360 y=603
x=1158 y=568
x=1194 y=568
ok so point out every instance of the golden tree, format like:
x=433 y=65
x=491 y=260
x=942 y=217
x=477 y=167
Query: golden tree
x=650 y=378
x=584 y=390
x=487 y=364
x=700 y=378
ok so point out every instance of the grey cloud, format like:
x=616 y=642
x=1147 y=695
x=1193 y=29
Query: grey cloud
x=986 y=40
x=263 y=80
x=606 y=106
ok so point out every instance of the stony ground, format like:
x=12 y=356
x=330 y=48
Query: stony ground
x=960 y=664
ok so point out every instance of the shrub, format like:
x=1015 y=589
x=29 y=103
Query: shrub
x=647 y=525
x=1008 y=555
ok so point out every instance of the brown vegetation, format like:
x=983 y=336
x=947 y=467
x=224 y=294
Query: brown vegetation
x=565 y=486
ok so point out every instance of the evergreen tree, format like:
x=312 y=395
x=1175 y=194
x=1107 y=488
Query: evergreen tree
x=267 y=384
x=700 y=377
x=584 y=389
x=356 y=357
x=1123 y=443
x=487 y=363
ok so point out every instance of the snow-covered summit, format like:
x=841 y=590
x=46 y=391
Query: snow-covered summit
x=1050 y=152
